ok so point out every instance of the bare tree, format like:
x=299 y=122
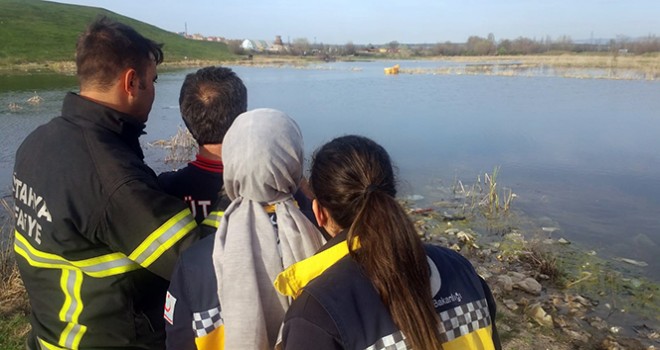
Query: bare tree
x=491 y=38
x=300 y=46
x=349 y=48
x=481 y=46
x=393 y=46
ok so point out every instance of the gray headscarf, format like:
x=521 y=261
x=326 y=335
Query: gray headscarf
x=262 y=155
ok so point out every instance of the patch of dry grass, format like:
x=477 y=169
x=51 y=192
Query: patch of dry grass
x=14 y=303
x=603 y=60
x=580 y=66
x=545 y=262
x=13 y=297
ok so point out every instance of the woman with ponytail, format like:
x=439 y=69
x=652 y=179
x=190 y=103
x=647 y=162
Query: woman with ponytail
x=375 y=285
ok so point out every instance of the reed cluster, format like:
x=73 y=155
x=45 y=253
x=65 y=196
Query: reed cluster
x=486 y=194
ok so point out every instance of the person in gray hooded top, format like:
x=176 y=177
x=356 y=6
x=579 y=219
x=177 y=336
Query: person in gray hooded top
x=222 y=286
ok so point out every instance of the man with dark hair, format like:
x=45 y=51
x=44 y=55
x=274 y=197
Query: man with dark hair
x=210 y=100
x=96 y=237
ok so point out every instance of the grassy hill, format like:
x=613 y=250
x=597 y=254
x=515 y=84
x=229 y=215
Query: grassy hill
x=34 y=31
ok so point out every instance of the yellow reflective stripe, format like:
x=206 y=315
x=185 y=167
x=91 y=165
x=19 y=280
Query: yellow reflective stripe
x=55 y=264
x=47 y=346
x=212 y=341
x=78 y=333
x=481 y=339
x=102 y=266
x=71 y=284
x=67 y=296
x=291 y=281
x=213 y=219
x=115 y=263
x=163 y=238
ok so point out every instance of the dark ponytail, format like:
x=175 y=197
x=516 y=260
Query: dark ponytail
x=352 y=177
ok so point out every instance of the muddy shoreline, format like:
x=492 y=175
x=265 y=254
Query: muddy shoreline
x=550 y=293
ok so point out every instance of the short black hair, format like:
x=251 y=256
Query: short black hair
x=108 y=47
x=210 y=100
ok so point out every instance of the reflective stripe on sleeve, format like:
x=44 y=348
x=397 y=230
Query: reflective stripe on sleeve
x=44 y=345
x=213 y=219
x=106 y=265
x=115 y=263
x=101 y=266
x=163 y=238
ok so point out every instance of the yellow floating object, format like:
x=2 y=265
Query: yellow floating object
x=392 y=70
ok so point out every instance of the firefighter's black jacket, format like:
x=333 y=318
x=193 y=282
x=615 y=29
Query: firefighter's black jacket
x=96 y=238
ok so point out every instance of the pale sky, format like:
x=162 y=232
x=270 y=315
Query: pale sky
x=406 y=21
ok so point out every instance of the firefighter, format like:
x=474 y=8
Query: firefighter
x=96 y=238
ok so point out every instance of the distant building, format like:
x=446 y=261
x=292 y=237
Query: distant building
x=264 y=46
x=277 y=46
x=247 y=45
x=260 y=46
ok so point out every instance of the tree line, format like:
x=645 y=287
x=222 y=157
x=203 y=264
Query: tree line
x=479 y=46
x=474 y=46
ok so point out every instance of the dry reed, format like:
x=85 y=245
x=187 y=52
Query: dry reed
x=181 y=147
x=13 y=297
x=487 y=195
x=603 y=66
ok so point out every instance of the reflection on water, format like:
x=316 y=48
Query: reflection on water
x=17 y=122
x=35 y=81
x=535 y=70
x=581 y=154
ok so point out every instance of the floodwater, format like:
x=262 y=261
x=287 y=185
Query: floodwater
x=582 y=155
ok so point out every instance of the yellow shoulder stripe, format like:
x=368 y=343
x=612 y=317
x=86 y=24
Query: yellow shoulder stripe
x=291 y=281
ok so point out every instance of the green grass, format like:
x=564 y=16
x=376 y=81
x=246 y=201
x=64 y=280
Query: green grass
x=13 y=331
x=34 y=31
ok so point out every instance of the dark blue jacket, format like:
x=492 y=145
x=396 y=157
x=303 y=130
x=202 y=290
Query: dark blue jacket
x=341 y=309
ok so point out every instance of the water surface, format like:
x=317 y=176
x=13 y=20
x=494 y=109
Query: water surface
x=581 y=154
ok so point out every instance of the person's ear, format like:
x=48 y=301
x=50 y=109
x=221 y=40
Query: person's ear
x=320 y=213
x=130 y=81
